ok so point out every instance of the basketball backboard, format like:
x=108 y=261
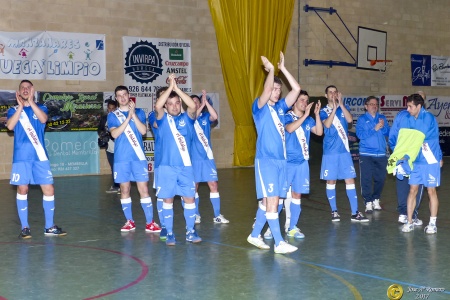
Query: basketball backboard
x=372 y=45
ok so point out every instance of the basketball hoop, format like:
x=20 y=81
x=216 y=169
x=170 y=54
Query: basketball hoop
x=381 y=65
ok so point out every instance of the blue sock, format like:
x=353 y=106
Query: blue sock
x=274 y=224
x=197 y=202
x=22 y=209
x=352 y=197
x=295 y=212
x=49 y=210
x=331 y=195
x=147 y=206
x=168 y=216
x=159 y=206
x=260 y=220
x=215 y=201
x=189 y=215
x=126 y=208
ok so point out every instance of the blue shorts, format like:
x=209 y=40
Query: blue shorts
x=428 y=175
x=205 y=170
x=270 y=177
x=31 y=172
x=337 y=166
x=298 y=177
x=173 y=181
x=131 y=171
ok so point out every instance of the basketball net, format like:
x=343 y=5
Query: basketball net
x=382 y=65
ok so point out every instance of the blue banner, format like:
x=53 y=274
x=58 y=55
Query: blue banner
x=73 y=153
x=421 y=70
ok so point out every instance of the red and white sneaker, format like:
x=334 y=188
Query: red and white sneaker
x=152 y=227
x=129 y=225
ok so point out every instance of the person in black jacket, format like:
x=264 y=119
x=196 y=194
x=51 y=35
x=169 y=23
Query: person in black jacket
x=105 y=140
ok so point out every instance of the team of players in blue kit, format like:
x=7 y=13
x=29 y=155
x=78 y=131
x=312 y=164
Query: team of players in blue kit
x=183 y=157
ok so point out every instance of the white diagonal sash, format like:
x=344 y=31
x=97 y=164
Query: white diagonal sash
x=32 y=136
x=279 y=126
x=132 y=139
x=203 y=139
x=340 y=129
x=180 y=141
x=428 y=154
x=300 y=133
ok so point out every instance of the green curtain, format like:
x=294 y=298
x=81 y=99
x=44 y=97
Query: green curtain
x=245 y=30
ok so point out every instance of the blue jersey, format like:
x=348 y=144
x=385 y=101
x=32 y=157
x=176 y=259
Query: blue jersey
x=427 y=124
x=123 y=151
x=171 y=154
x=393 y=133
x=270 y=143
x=293 y=148
x=332 y=143
x=23 y=148
x=157 y=153
x=198 y=151
x=372 y=142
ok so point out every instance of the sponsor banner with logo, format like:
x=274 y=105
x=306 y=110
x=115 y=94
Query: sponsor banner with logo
x=430 y=70
x=148 y=64
x=74 y=153
x=52 y=55
x=390 y=105
x=67 y=111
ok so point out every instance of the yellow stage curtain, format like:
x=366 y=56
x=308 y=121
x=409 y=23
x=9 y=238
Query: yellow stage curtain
x=245 y=30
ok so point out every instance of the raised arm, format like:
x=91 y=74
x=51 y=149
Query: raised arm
x=291 y=97
x=161 y=101
x=212 y=112
x=318 y=129
x=191 y=107
x=268 y=84
x=40 y=114
x=347 y=114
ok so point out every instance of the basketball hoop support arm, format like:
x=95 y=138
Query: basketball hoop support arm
x=330 y=63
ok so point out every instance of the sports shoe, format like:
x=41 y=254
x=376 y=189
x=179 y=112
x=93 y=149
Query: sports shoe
x=287 y=224
x=284 y=248
x=268 y=234
x=257 y=242
x=296 y=233
x=54 y=230
x=152 y=227
x=403 y=219
x=417 y=222
x=25 y=233
x=198 y=219
x=129 y=225
x=430 y=229
x=163 y=234
x=369 y=207
x=376 y=204
x=170 y=240
x=359 y=217
x=221 y=219
x=192 y=236
x=112 y=190
x=335 y=217
x=408 y=227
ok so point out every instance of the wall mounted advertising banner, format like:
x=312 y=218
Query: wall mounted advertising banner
x=52 y=55
x=67 y=111
x=429 y=70
x=148 y=64
x=73 y=153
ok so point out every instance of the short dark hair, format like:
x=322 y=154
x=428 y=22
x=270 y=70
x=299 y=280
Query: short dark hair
x=370 y=98
x=330 y=86
x=25 y=80
x=277 y=79
x=195 y=96
x=111 y=102
x=303 y=92
x=416 y=99
x=160 y=91
x=121 y=88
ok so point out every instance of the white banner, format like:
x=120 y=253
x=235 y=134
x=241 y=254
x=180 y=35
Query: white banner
x=52 y=55
x=148 y=64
